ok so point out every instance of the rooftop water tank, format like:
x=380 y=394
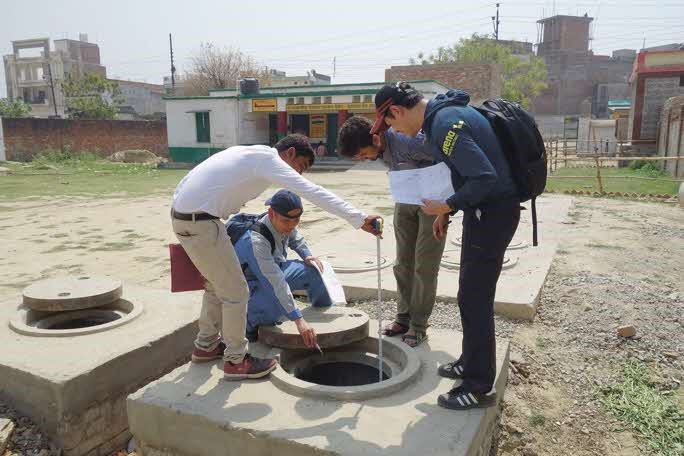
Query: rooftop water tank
x=249 y=86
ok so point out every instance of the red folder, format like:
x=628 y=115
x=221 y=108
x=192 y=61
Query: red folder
x=184 y=274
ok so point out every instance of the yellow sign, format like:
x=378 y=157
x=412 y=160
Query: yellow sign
x=330 y=107
x=264 y=105
x=318 y=124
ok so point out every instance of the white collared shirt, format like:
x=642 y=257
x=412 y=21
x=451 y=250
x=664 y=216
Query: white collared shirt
x=224 y=182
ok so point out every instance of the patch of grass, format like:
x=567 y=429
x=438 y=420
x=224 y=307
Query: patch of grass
x=85 y=174
x=59 y=235
x=113 y=246
x=537 y=419
x=562 y=252
x=61 y=248
x=652 y=414
x=587 y=181
x=133 y=236
x=542 y=343
x=145 y=259
x=129 y=230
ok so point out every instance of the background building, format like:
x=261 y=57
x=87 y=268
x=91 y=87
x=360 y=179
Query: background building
x=28 y=70
x=201 y=126
x=657 y=76
x=480 y=80
x=141 y=99
x=575 y=74
x=279 y=78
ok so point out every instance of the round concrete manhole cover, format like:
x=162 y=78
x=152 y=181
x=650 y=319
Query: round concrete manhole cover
x=451 y=259
x=334 y=326
x=72 y=293
x=351 y=263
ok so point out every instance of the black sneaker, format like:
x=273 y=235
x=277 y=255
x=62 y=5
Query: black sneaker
x=461 y=399
x=252 y=336
x=451 y=370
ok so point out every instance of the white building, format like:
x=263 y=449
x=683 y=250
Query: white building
x=200 y=126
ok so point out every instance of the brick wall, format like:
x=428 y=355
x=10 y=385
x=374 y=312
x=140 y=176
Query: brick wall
x=481 y=81
x=27 y=137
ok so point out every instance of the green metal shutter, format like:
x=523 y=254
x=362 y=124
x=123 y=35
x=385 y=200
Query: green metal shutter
x=202 y=126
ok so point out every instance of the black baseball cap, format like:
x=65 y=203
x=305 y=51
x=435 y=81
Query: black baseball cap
x=389 y=95
x=286 y=203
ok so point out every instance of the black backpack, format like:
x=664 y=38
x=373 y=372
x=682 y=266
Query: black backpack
x=523 y=146
x=240 y=223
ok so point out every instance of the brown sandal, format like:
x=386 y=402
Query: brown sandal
x=413 y=340
x=389 y=331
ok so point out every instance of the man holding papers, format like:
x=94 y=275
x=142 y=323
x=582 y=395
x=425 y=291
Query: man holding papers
x=418 y=253
x=487 y=195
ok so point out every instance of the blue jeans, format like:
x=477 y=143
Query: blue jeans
x=264 y=308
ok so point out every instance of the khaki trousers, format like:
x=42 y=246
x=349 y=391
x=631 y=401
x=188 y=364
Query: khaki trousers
x=224 y=305
x=417 y=265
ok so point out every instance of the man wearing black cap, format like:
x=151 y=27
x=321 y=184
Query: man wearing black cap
x=486 y=193
x=271 y=276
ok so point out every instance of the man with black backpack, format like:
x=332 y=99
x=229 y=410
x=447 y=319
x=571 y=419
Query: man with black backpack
x=487 y=194
x=271 y=277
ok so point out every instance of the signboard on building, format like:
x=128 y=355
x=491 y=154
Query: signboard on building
x=318 y=125
x=264 y=105
x=330 y=107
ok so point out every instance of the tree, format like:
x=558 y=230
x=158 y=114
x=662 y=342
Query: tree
x=220 y=68
x=91 y=97
x=14 y=108
x=523 y=77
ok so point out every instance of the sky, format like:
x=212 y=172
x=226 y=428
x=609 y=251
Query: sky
x=361 y=37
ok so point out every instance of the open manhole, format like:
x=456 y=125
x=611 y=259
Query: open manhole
x=350 y=372
x=76 y=322
x=341 y=373
x=91 y=318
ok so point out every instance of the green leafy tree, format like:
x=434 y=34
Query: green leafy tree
x=91 y=97
x=14 y=108
x=523 y=76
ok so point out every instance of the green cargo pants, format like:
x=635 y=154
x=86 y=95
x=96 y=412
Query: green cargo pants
x=416 y=266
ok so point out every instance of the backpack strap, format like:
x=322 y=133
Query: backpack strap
x=265 y=232
x=534 y=222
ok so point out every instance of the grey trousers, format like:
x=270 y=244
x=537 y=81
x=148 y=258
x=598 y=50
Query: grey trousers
x=416 y=266
x=224 y=305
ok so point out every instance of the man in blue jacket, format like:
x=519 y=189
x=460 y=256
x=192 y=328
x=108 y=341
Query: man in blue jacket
x=271 y=276
x=487 y=195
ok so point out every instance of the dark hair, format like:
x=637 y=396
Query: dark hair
x=300 y=143
x=401 y=93
x=354 y=134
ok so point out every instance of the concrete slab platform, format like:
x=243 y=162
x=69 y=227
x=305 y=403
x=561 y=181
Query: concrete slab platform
x=521 y=280
x=75 y=387
x=334 y=326
x=193 y=411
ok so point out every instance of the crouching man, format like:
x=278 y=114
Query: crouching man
x=271 y=277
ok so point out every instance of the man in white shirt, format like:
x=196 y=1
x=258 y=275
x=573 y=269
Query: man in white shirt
x=215 y=189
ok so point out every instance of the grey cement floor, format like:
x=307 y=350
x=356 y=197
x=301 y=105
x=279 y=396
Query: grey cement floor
x=193 y=411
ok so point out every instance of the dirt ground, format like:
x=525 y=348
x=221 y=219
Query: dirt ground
x=621 y=262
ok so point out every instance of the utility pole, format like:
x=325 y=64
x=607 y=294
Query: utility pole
x=52 y=86
x=173 y=68
x=495 y=21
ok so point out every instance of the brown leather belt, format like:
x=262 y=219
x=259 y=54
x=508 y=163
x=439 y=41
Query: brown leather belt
x=194 y=217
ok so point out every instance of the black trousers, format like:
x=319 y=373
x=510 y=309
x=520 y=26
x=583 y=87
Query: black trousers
x=486 y=235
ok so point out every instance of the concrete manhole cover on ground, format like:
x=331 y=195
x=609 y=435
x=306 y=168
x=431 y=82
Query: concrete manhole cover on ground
x=514 y=245
x=451 y=259
x=334 y=326
x=352 y=264
x=72 y=293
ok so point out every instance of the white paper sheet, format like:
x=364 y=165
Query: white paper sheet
x=333 y=285
x=412 y=186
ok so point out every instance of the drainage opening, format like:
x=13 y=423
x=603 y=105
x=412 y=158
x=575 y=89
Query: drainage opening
x=99 y=318
x=339 y=374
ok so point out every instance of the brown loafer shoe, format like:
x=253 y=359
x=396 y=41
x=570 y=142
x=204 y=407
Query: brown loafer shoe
x=250 y=367
x=203 y=356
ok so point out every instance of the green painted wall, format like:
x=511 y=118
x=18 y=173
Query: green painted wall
x=192 y=154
